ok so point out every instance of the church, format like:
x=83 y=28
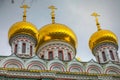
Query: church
x=49 y=53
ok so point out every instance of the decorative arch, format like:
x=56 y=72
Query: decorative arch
x=112 y=70
x=75 y=67
x=94 y=68
x=57 y=66
x=35 y=64
x=12 y=63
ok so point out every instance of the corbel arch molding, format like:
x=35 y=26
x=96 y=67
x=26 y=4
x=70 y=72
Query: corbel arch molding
x=56 y=65
x=12 y=62
x=35 y=64
x=112 y=69
x=75 y=67
x=94 y=68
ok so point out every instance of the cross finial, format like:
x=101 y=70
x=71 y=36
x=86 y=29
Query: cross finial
x=25 y=11
x=53 y=8
x=96 y=15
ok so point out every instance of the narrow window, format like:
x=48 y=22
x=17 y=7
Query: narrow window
x=98 y=59
x=50 y=54
x=111 y=55
x=60 y=54
x=31 y=50
x=69 y=56
x=104 y=56
x=23 y=48
x=15 y=49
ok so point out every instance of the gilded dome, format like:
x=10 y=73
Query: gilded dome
x=57 y=32
x=102 y=36
x=23 y=27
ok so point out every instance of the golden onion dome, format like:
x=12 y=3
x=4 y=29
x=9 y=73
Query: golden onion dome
x=23 y=27
x=57 y=31
x=102 y=36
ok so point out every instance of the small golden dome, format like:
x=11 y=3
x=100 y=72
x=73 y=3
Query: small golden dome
x=57 y=32
x=102 y=36
x=23 y=27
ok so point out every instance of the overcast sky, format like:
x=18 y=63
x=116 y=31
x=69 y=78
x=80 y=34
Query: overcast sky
x=73 y=13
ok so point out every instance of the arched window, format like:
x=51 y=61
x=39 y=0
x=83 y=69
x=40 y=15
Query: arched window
x=50 y=54
x=31 y=50
x=104 y=56
x=111 y=55
x=23 y=47
x=60 y=54
x=69 y=56
x=15 y=49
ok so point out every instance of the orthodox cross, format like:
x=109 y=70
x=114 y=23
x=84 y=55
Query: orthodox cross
x=53 y=8
x=25 y=11
x=96 y=15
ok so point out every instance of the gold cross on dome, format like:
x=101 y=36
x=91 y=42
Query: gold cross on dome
x=25 y=11
x=96 y=15
x=53 y=8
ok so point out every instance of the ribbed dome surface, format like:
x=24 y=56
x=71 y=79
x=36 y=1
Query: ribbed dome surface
x=57 y=32
x=23 y=27
x=102 y=36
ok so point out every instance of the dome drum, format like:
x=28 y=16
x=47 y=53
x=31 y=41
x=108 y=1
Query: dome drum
x=61 y=50
x=101 y=44
x=22 y=37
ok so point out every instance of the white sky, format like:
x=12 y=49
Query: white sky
x=73 y=13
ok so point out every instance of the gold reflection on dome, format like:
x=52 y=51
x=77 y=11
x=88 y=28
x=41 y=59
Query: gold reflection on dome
x=57 y=32
x=23 y=27
x=102 y=36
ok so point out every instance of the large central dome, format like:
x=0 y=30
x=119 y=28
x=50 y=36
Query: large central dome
x=57 y=32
